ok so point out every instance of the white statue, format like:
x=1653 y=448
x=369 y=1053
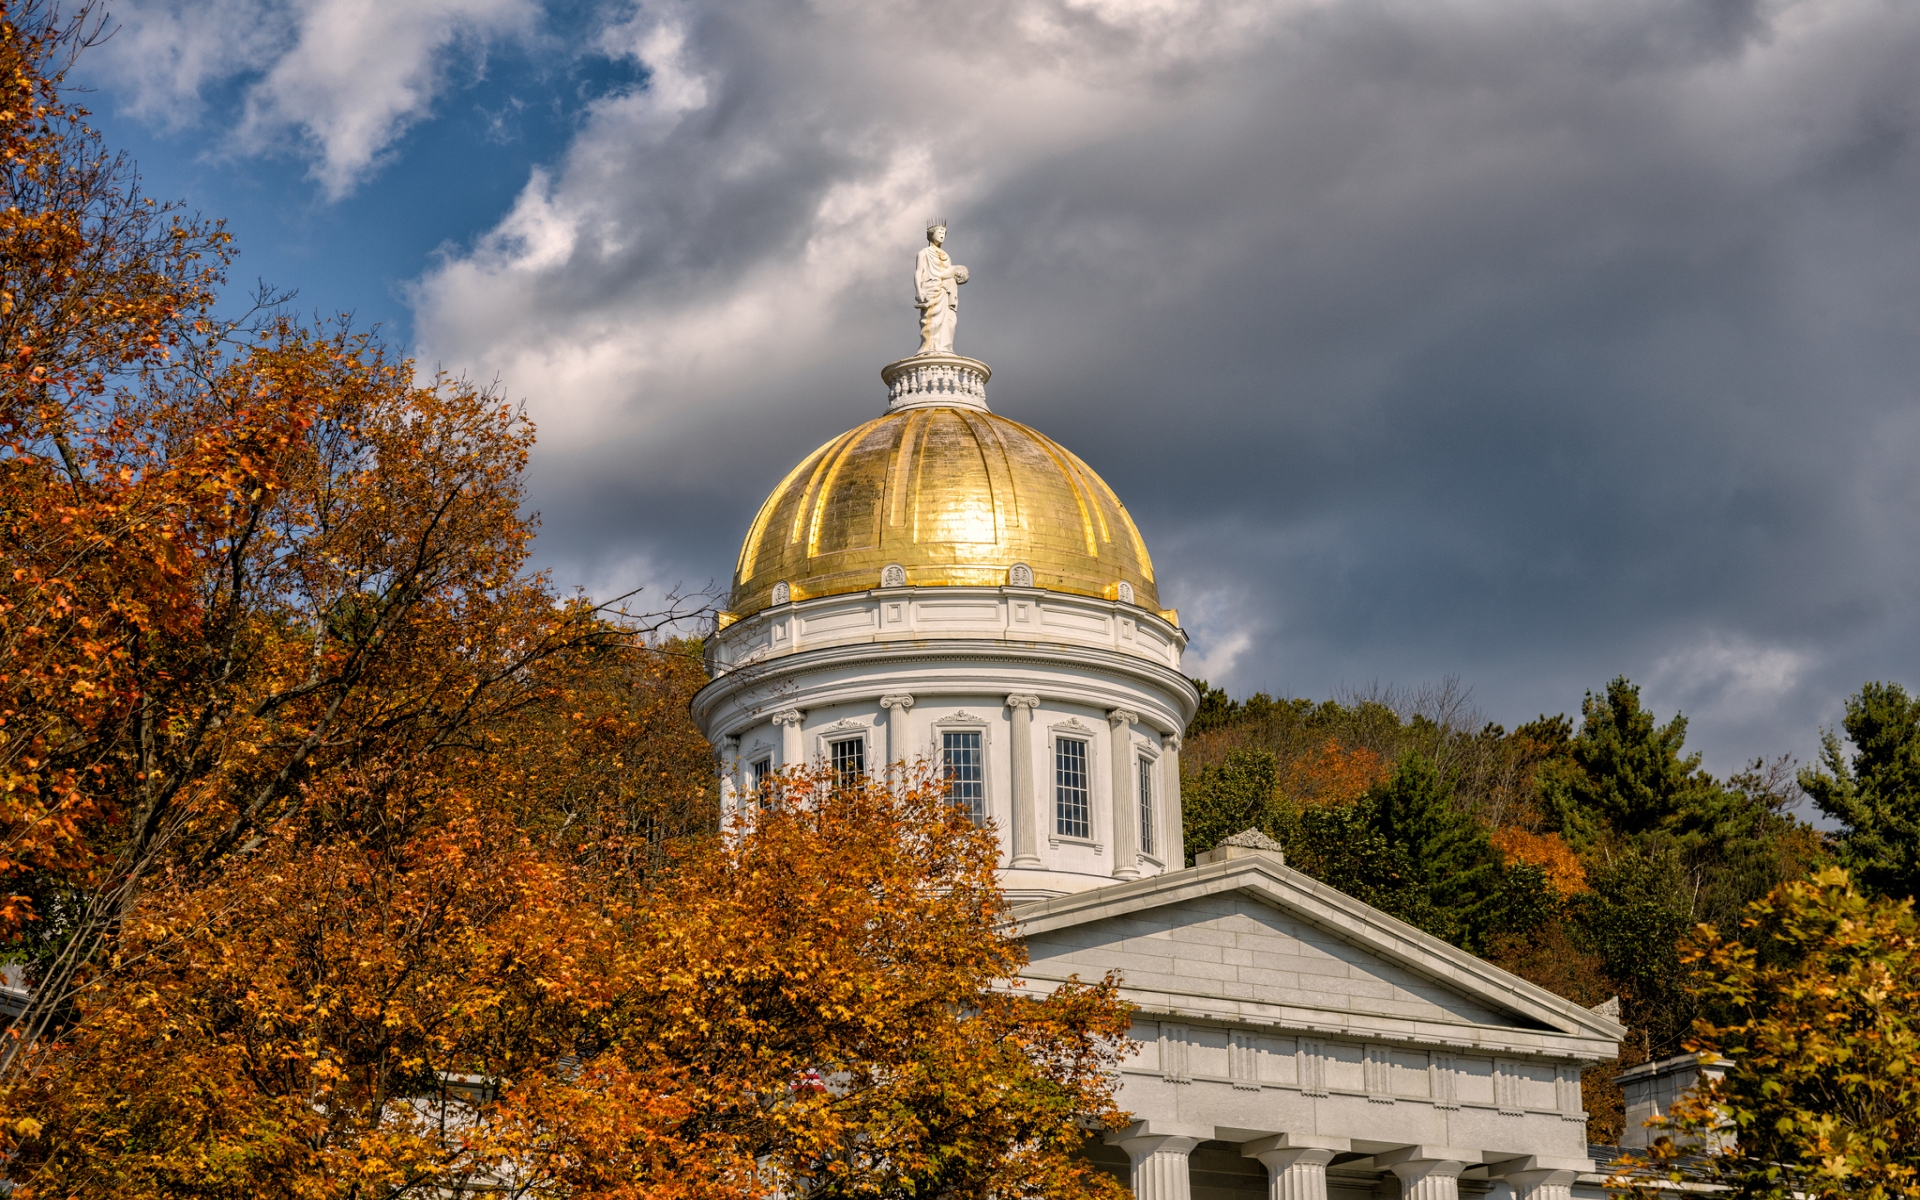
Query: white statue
x=936 y=290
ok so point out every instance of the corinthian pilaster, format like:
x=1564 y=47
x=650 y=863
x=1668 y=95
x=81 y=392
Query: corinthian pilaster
x=1025 y=821
x=1126 y=805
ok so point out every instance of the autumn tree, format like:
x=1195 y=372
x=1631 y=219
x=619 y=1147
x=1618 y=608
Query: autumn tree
x=98 y=285
x=1816 y=1012
x=260 y=578
x=822 y=1002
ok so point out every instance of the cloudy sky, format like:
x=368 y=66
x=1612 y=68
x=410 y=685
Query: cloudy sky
x=1528 y=341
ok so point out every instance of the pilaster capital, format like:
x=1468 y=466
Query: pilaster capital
x=1172 y=742
x=789 y=716
x=900 y=702
x=1020 y=701
x=1120 y=716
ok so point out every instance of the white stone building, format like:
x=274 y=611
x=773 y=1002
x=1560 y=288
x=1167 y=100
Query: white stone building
x=944 y=583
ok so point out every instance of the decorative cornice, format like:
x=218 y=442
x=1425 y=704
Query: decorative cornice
x=963 y=717
x=1097 y=659
x=1073 y=724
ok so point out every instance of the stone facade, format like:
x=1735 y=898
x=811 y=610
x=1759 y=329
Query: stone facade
x=1293 y=1039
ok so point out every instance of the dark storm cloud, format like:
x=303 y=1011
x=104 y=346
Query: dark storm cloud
x=1531 y=343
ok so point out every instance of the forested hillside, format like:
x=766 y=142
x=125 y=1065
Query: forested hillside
x=1574 y=852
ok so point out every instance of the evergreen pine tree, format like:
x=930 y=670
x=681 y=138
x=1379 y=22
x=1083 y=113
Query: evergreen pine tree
x=1876 y=797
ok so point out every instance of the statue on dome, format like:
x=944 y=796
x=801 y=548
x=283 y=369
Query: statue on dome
x=936 y=290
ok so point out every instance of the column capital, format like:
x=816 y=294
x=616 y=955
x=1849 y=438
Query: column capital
x=1171 y=741
x=1538 y=1177
x=899 y=701
x=1019 y=701
x=788 y=716
x=1538 y=1162
x=1298 y=1156
x=1143 y=1138
x=1428 y=1155
x=1159 y=1155
x=1296 y=1163
x=1296 y=1141
x=1120 y=716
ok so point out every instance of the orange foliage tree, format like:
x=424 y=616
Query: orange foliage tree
x=822 y=1001
x=346 y=858
x=240 y=562
x=97 y=284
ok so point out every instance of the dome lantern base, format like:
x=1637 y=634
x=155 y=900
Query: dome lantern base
x=936 y=380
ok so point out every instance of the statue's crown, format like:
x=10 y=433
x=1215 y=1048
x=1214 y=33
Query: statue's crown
x=934 y=223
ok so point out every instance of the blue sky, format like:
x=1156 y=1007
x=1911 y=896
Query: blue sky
x=498 y=110
x=1525 y=341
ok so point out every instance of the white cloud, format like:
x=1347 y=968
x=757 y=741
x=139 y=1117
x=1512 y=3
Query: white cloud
x=1512 y=334
x=776 y=164
x=1729 y=678
x=339 y=80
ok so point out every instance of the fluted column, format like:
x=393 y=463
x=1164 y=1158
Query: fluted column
x=1429 y=1178
x=792 y=753
x=1296 y=1163
x=1542 y=1185
x=1159 y=1163
x=1173 y=820
x=1297 y=1174
x=1025 y=819
x=1126 y=804
x=896 y=708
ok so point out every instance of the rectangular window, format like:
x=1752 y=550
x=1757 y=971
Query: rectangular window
x=758 y=773
x=1146 y=806
x=966 y=773
x=1071 y=803
x=849 y=759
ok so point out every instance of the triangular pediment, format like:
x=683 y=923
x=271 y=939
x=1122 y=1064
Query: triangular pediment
x=1250 y=940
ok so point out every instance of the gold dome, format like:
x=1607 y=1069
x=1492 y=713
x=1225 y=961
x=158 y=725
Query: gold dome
x=957 y=496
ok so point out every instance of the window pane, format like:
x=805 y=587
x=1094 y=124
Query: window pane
x=1071 y=807
x=966 y=773
x=849 y=759
x=1146 y=806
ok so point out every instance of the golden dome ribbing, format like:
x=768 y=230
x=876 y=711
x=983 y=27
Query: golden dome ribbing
x=957 y=496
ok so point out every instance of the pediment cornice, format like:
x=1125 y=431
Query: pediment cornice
x=1303 y=898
